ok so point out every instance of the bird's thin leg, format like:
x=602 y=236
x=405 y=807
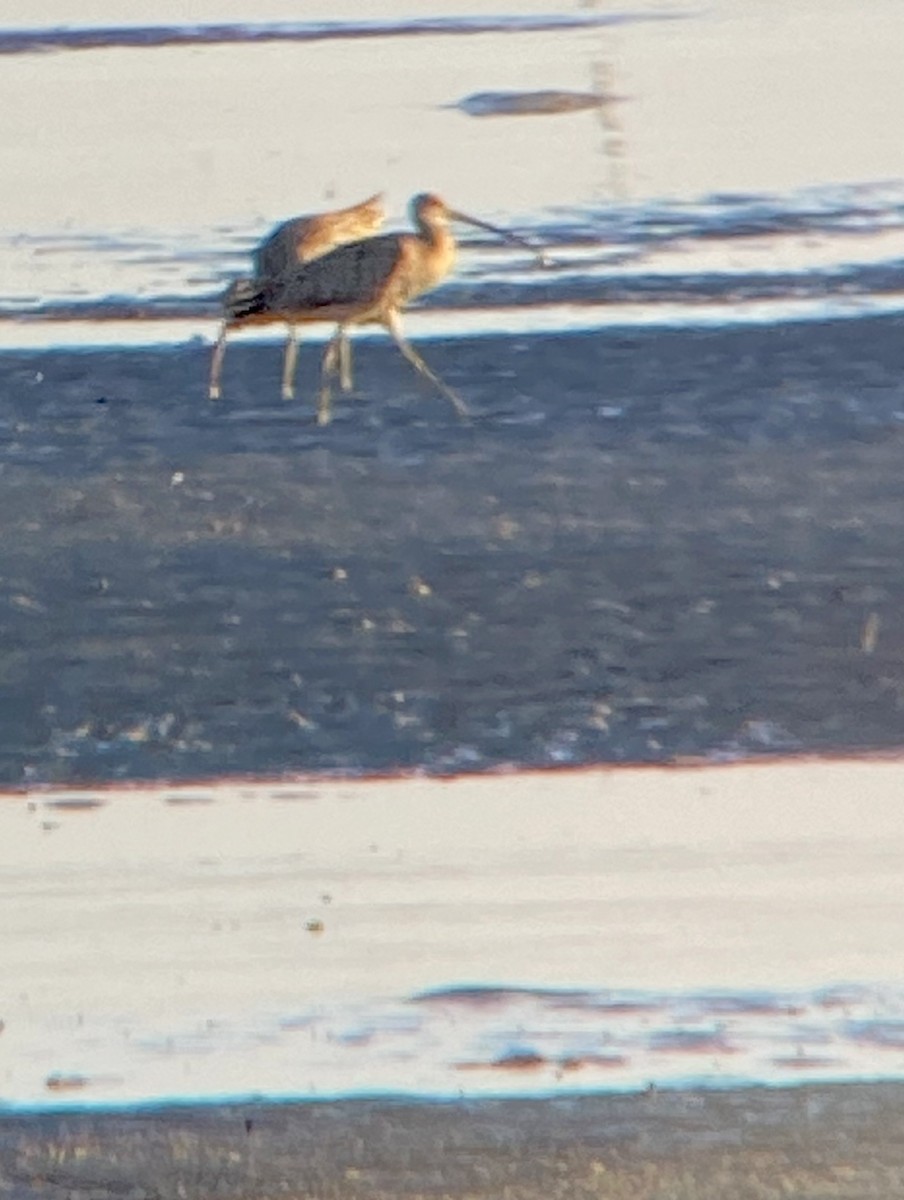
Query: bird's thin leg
x=216 y=363
x=393 y=324
x=345 y=361
x=328 y=368
x=290 y=358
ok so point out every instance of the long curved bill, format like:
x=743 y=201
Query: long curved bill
x=506 y=236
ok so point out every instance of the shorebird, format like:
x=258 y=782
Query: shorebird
x=299 y=240
x=365 y=282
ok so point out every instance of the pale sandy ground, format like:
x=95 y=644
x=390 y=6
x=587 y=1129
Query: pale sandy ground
x=173 y=150
x=758 y=98
x=160 y=943
x=729 y=875
x=182 y=147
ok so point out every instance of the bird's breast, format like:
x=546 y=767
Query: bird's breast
x=424 y=264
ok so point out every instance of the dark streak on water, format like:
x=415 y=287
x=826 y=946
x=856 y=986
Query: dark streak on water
x=647 y=545
x=600 y=289
x=145 y=37
x=545 y=103
x=598 y=256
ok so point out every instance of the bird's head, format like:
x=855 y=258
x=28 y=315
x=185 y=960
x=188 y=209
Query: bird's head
x=428 y=209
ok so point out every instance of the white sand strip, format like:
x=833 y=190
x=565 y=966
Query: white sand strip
x=231 y=938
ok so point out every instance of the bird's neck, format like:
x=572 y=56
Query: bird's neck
x=441 y=244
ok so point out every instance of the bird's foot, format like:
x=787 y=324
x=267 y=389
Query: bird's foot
x=214 y=392
x=324 y=413
x=324 y=406
x=461 y=409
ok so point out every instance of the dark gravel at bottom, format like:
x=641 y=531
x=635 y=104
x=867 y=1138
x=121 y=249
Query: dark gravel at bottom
x=844 y=1142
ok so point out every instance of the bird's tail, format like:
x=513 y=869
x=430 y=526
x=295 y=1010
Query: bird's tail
x=243 y=298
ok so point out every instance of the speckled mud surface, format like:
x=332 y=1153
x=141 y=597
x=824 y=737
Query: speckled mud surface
x=844 y=1142
x=646 y=544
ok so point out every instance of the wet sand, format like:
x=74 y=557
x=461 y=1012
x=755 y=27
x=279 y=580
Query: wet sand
x=647 y=544
x=844 y=1142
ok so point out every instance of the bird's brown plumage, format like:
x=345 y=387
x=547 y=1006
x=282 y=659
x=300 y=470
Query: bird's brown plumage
x=303 y=239
x=358 y=282
x=362 y=282
x=299 y=240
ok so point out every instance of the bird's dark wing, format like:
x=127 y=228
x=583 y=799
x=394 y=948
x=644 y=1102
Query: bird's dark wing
x=279 y=251
x=244 y=298
x=352 y=274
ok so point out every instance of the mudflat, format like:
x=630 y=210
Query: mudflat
x=646 y=544
x=844 y=1142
